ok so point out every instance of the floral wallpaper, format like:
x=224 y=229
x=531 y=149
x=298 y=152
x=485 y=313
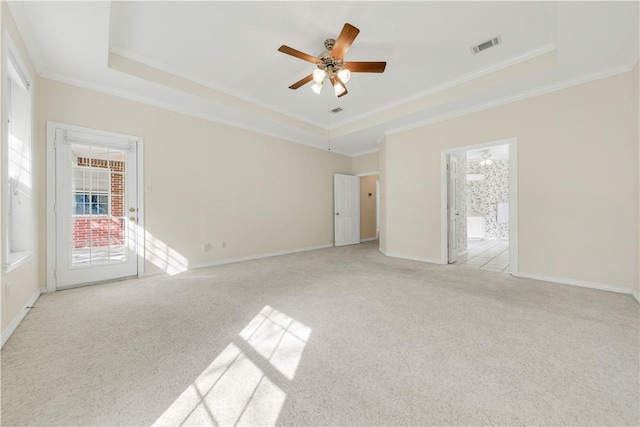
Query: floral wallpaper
x=483 y=196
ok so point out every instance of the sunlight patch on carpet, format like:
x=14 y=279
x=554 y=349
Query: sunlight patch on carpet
x=233 y=390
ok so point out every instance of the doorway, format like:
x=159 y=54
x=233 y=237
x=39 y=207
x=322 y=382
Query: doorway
x=369 y=206
x=479 y=206
x=95 y=215
x=346 y=205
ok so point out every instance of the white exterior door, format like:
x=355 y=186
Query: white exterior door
x=346 y=194
x=452 y=210
x=96 y=206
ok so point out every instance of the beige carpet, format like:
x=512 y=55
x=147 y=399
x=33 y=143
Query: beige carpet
x=339 y=336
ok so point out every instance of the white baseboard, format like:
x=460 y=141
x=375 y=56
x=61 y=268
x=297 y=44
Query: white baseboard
x=573 y=282
x=462 y=253
x=412 y=258
x=636 y=295
x=9 y=330
x=258 y=256
x=369 y=239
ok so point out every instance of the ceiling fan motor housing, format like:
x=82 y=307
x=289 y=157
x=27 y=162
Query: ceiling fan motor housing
x=330 y=64
x=329 y=43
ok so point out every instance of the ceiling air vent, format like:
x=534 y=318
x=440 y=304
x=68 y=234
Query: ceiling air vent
x=335 y=110
x=486 y=45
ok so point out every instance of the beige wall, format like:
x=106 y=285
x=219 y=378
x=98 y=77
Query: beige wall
x=382 y=188
x=24 y=279
x=368 y=206
x=365 y=163
x=211 y=183
x=576 y=159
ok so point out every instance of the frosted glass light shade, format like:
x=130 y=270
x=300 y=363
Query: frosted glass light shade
x=317 y=88
x=339 y=88
x=344 y=75
x=318 y=75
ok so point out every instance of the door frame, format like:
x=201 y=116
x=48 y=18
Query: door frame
x=377 y=206
x=513 y=198
x=51 y=243
x=452 y=217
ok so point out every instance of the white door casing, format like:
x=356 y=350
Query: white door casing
x=453 y=214
x=346 y=192
x=513 y=198
x=96 y=206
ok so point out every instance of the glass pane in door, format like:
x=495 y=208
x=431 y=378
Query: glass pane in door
x=97 y=215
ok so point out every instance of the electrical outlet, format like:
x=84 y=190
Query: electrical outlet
x=224 y=245
x=206 y=247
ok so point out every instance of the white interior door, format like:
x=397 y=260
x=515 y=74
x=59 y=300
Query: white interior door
x=453 y=213
x=346 y=195
x=96 y=207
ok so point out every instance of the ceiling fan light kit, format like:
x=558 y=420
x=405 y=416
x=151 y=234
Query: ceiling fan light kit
x=330 y=63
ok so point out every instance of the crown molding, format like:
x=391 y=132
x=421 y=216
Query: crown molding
x=453 y=82
x=364 y=153
x=26 y=35
x=586 y=78
x=171 y=107
x=178 y=73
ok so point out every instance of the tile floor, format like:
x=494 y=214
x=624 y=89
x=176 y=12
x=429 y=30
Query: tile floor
x=486 y=254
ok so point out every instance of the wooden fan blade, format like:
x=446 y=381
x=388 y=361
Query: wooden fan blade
x=346 y=37
x=301 y=55
x=303 y=81
x=365 y=67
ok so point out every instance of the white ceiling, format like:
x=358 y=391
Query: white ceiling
x=231 y=47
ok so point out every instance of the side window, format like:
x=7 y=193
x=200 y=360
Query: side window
x=17 y=176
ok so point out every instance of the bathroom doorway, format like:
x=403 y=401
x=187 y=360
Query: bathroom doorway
x=479 y=227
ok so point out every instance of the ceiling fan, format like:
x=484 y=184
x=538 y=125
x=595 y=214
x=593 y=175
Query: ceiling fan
x=331 y=63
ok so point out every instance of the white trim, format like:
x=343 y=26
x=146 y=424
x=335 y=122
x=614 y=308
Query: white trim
x=19 y=17
x=412 y=258
x=513 y=198
x=51 y=194
x=574 y=282
x=391 y=131
x=364 y=153
x=368 y=173
x=258 y=256
x=542 y=90
x=188 y=112
x=10 y=52
x=513 y=208
x=141 y=252
x=9 y=330
x=185 y=76
x=455 y=82
x=369 y=239
x=50 y=207
x=17 y=259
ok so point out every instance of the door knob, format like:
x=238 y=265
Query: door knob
x=132 y=218
x=337 y=213
x=132 y=209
